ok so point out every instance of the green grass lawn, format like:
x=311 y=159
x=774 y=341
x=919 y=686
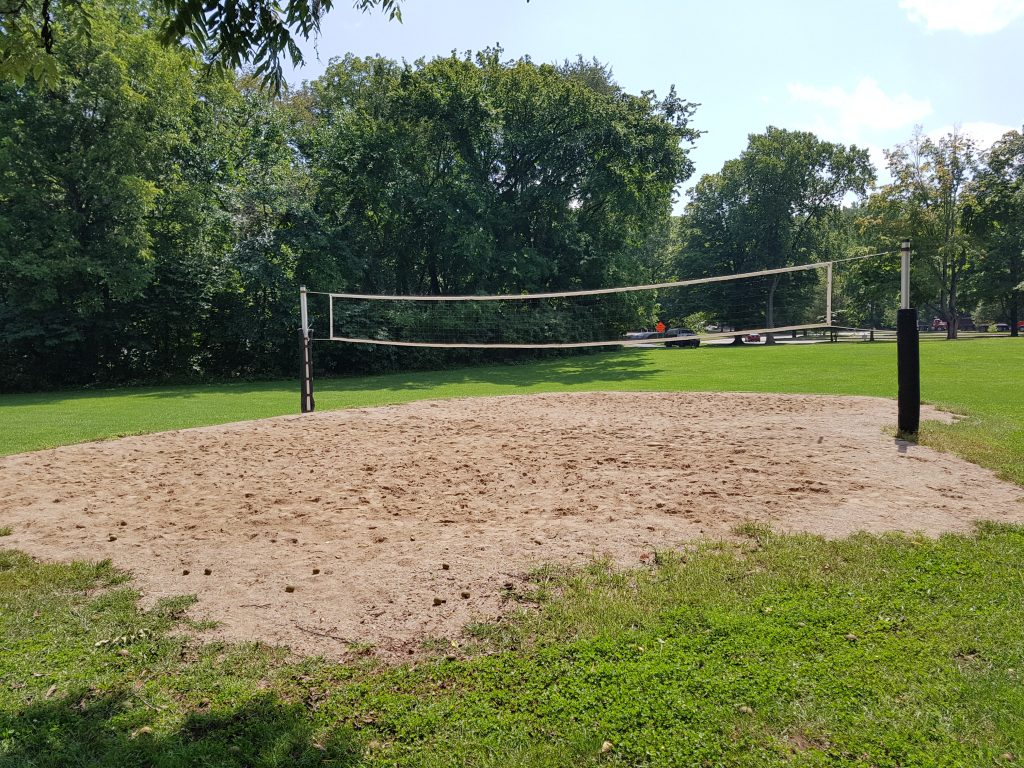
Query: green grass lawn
x=767 y=651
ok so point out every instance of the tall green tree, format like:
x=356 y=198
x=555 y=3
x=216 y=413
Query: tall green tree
x=252 y=320
x=156 y=220
x=997 y=218
x=776 y=205
x=79 y=185
x=927 y=201
x=471 y=174
x=129 y=214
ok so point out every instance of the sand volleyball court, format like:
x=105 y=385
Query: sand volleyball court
x=391 y=525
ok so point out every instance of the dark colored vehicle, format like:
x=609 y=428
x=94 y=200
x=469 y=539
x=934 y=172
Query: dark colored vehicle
x=963 y=323
x=681 y=337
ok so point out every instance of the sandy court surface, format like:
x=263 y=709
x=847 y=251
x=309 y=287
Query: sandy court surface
x=349 y=525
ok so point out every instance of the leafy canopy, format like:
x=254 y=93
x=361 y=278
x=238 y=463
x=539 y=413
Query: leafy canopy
x=228 y=33
x=927 y=201
x=776 y=205
x=997 y=220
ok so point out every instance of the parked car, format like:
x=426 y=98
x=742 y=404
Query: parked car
x=963 y=323
x=752 y=337
x=681 y=337
x=1002 y=327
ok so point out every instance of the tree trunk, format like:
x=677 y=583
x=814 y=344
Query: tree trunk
x=435 y=282
x=769 y=338
x=953 y=322
x=1015 y=294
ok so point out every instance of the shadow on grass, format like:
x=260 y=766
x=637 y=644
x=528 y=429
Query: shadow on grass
x=604 y=368
x=568 y=370
x=87 y=730
x=58 y=397
x=574 y=371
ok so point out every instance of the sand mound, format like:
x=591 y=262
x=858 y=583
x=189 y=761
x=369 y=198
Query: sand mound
x=332 y=527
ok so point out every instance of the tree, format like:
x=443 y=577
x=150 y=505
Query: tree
x=927 y=201
x=772 y=207
x=255 y=33
x=594 y=74
x=471 y=174
x=251 y=321
x=127 y=201
x=79 y=173
x=997 y=218
x=866 y=290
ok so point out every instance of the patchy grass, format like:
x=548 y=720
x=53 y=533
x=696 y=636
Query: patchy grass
x=776 y=650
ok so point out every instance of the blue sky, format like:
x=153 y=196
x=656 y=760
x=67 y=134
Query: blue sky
x=863 y=73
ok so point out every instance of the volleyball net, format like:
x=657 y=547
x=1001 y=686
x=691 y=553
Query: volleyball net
x=855 y=293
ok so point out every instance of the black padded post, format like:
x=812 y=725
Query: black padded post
x=908 y=366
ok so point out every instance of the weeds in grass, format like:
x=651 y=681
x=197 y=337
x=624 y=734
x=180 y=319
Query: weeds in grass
x=754 y=530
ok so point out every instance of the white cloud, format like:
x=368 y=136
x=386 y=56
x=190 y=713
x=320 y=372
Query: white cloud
x=985 y=134
x=972 y=17
x=849 y=115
